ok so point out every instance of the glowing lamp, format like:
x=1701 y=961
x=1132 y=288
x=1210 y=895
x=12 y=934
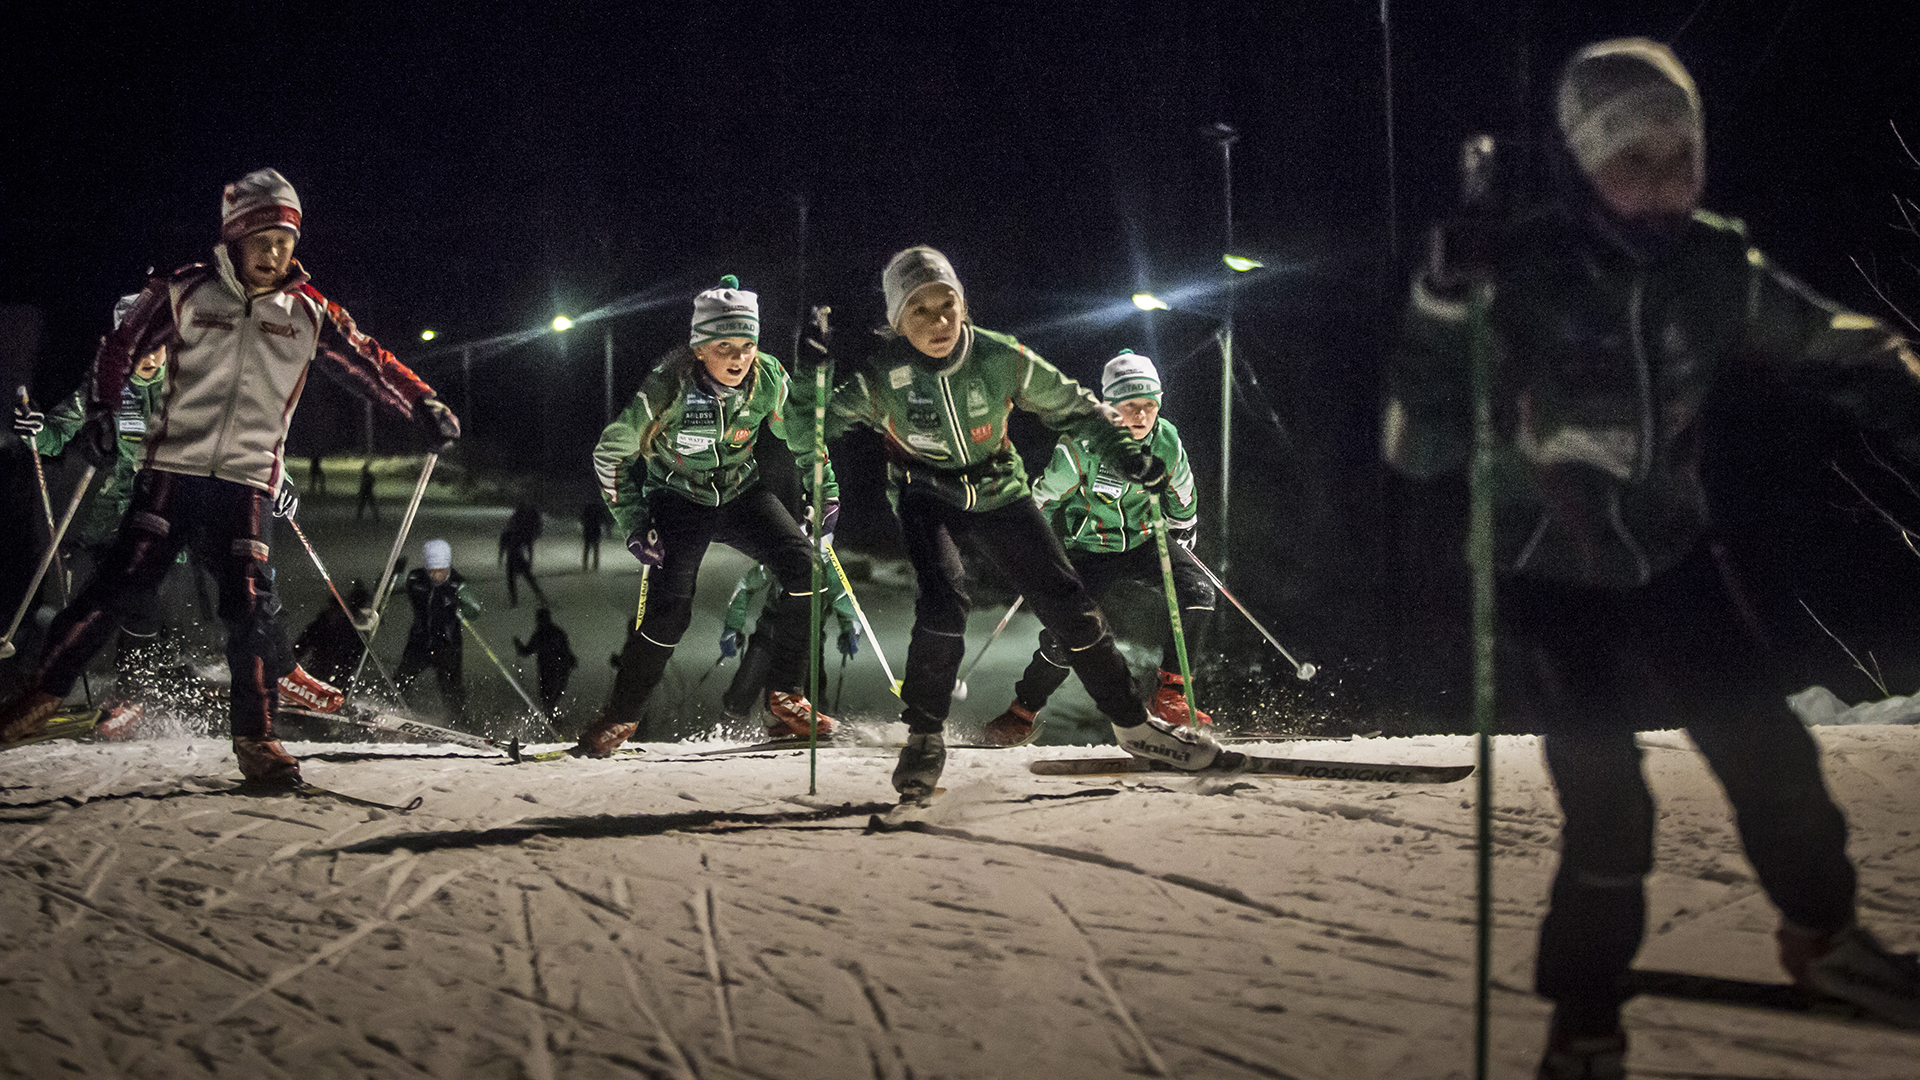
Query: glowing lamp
x=428 y=335
x=562 y=323
x=1146 y=301
x=1241 y=263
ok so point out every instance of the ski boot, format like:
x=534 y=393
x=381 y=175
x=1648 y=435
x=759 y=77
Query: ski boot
x=1585 y=1042
x=300 y=690
x=787 y=715
x=1850 y=964
x=1170 y=701
x=26 y=716
x=921 y=762
x=265 y=763
x=118 y=720
x=1158 y=741
x=604 y=737
x=1015 y=727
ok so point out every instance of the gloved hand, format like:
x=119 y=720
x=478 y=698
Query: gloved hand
x=99 y=439
x=1146 y=470
x=829 y=516
x=1184 y=533
x=27 y=420
x=850 y=641
x=286 y=501
x=647 y=547
x=730 y=643
x=815 y=341
x=442 y=427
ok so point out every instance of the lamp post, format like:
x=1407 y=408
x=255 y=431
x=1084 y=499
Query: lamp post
x=606 y=341
x=1226 y=135
x=561 y=324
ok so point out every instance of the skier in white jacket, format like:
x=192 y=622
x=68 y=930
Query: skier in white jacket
x=242 y=332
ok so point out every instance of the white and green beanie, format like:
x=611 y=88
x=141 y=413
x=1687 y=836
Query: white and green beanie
x=1614 y=93
x=1128 y=376
x=724 y=312
x=912 y=270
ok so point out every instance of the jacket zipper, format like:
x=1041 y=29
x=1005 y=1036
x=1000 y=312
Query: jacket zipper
x=233 y=395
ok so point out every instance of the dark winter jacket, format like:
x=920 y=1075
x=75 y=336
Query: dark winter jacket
x=437 y=608
x=945 y=421
x=552 y=652
x=1602 y=362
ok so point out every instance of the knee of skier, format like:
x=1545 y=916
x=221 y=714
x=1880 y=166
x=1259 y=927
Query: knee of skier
x=942 y=611
x=1053 y=652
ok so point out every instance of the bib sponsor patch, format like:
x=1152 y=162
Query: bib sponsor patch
x=899 y=377
x=981 y=433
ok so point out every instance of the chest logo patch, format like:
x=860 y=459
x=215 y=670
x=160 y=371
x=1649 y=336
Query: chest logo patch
x=976 y=401
x=899 y=377
x=285 y=330
x=981 y=433
x=211 y=322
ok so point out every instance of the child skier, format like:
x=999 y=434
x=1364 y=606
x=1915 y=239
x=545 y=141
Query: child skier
x=1105 y=521
x=750 y=680
x=552 y=657
x=677 y=470
x=1615 y=309
x=243 y=331
x=939 y=391
x=440 y=599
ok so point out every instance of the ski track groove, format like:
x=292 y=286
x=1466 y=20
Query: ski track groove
x=539 y=1057
x=877 y=1013
x=703 y=917
x=1236 y=1060
x=1119 y=1006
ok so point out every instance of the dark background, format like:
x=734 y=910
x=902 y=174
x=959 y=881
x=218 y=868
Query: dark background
x=477 y=170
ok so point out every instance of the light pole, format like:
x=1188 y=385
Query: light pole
x=606 y=341
x=561 y=324
x=1226 y=136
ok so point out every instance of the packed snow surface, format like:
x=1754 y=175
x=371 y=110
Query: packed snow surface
x=670 y=916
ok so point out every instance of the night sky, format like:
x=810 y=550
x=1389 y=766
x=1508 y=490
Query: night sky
x=479 y=169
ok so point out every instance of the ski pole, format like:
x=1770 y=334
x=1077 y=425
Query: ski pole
x=364 y=635
x=960 y=687
x=640 y=608
x=511 y=681
x=381 y=592
x=841 y=683
x=702 y=680
x=46 y=507
x=46 y=559
x=1173 y=606
x=1304 y=671
x=822 y=379
x=861 y=614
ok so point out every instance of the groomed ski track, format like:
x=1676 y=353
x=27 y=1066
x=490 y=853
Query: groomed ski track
x=704 y=918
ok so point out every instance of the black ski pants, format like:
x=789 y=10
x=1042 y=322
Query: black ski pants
x=1100 y=572
x=447 y=661
x=1589 y=668
x=753 y=522
x=1018 y=538
x=228 y=526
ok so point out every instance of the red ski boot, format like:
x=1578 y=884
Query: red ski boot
x=787 y=715
x=302 y=691
x=265 y=763
x=1015 y=727
x=26 y=716
x=118 y=721
x=604 y=737
x=1170 y=701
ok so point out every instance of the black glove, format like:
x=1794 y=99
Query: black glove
x=829 y=517
x=99 y=439
x=1184 y=533
x=647 y=547
x=286 y=501
x=730 y=640
x=850 y=641
x=27 y=420
x=1146 y=470
x=815 y=341
x=443 y=428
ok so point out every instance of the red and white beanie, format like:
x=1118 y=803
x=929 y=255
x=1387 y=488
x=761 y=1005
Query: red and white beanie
x=262 y=199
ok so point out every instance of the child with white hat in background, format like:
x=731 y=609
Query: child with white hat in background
x=1105 y=520
x=440 y=599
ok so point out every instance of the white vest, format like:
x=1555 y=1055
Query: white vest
x=233 y=379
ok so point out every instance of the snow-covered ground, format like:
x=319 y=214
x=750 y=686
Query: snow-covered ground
x=708 y=918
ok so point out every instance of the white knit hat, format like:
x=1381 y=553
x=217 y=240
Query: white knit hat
x=262 y=199
x=1129 y=376
x=124 y=307
x=439 y=555
x=724 y=312
x=912 y=270
x=1614 y=93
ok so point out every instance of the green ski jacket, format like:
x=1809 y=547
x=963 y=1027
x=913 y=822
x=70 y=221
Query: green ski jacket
x=946 y=427
x=139 y=399
x=696 y=444
x=755 y=582
x=1602 y=362
x=1099 y=509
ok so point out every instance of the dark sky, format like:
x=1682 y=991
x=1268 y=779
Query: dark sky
x=478 y=168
